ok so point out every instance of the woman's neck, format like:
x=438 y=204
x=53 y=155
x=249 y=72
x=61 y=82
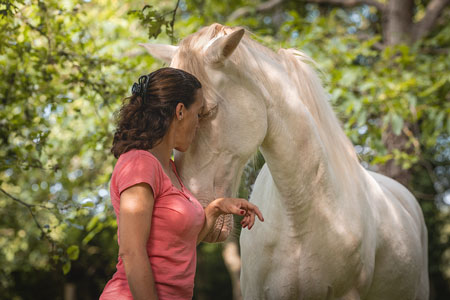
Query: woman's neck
x=163 y=152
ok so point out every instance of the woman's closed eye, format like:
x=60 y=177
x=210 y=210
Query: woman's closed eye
x=207 y=114
x=203 y=115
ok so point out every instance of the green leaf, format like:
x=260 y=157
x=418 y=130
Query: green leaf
x=92 y=223
x=397 y=124
x=362 y=118
x=448 y=127
x=382 y=159
x=433 y=88
x=66 y=267
x=73 y=252
x=88 y=238
x=88 y=204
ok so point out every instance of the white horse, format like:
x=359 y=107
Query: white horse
x=333 y=230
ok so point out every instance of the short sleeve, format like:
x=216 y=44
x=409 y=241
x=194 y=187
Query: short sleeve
x=138 y=168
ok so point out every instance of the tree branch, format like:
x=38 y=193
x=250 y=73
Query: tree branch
x=30 y=209
x=172 y=23
x=351 y=3
x=271 y=4
x=433 y=11
x=423 y=196
x=377 y=46
x=261 y=8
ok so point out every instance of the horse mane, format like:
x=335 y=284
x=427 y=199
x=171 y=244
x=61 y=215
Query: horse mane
x=298 y=69
x=316 y=99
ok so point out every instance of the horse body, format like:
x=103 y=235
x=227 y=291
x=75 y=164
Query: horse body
x=333 y=230
x=283 y=263
x=330 y=258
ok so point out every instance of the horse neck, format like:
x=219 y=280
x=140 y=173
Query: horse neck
x=297 y=159
x=298 y=152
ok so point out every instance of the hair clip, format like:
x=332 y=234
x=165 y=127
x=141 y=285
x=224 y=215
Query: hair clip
x=140 y=87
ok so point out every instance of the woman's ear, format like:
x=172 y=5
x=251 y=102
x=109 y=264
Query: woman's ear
x=179 y=111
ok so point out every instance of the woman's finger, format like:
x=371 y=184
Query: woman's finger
x=243 y=224
x=258 y=212
x=249 y=220
x=234 y=208
x=243 y=208
x=252 y=220
x=244 y=221
x=239 y=211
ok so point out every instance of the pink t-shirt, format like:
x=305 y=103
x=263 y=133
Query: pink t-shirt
x=176 y=222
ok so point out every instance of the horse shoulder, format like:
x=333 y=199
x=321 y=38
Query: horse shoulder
x=400 y=194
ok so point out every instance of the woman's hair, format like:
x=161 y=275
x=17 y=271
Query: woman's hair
x=145 y=117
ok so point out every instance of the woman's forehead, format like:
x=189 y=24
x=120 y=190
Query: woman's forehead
x=199 y=97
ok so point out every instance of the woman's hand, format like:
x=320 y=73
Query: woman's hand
x=223 y=206
x=237 y=206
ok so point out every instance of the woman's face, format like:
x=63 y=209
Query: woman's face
x=187 y=126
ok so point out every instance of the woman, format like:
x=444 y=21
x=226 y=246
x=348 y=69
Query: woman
x=160 y=222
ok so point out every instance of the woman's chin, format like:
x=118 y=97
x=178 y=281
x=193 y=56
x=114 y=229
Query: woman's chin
x=182 y=148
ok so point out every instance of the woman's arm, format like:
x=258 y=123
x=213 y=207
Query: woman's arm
x=235 y=206
x=136 y=208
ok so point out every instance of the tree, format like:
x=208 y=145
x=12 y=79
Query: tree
x=65 y=73
x=67 y=65
x=397 y=16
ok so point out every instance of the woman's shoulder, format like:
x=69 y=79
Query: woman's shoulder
x=137 y=155
x=136 y=166
x=135 y=160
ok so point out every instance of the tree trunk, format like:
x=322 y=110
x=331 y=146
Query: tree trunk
x=397 y=17
x=232 y=259
x=397 y=22
x=69 y=291
x=391 y=168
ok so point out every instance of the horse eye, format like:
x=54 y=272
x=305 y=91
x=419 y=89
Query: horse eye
x=208 y=114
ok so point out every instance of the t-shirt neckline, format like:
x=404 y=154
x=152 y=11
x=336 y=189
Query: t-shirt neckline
x=172 y=163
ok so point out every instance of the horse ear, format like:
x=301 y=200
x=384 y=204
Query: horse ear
x=223 y=47
x=160 y=51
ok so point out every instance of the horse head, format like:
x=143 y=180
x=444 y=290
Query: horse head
x=233 y=123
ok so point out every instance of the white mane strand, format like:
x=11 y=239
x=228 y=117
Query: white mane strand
x=316 y=99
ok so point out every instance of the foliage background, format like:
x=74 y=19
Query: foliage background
x=66 y=66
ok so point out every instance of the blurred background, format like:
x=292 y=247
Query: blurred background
x=66 y=66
